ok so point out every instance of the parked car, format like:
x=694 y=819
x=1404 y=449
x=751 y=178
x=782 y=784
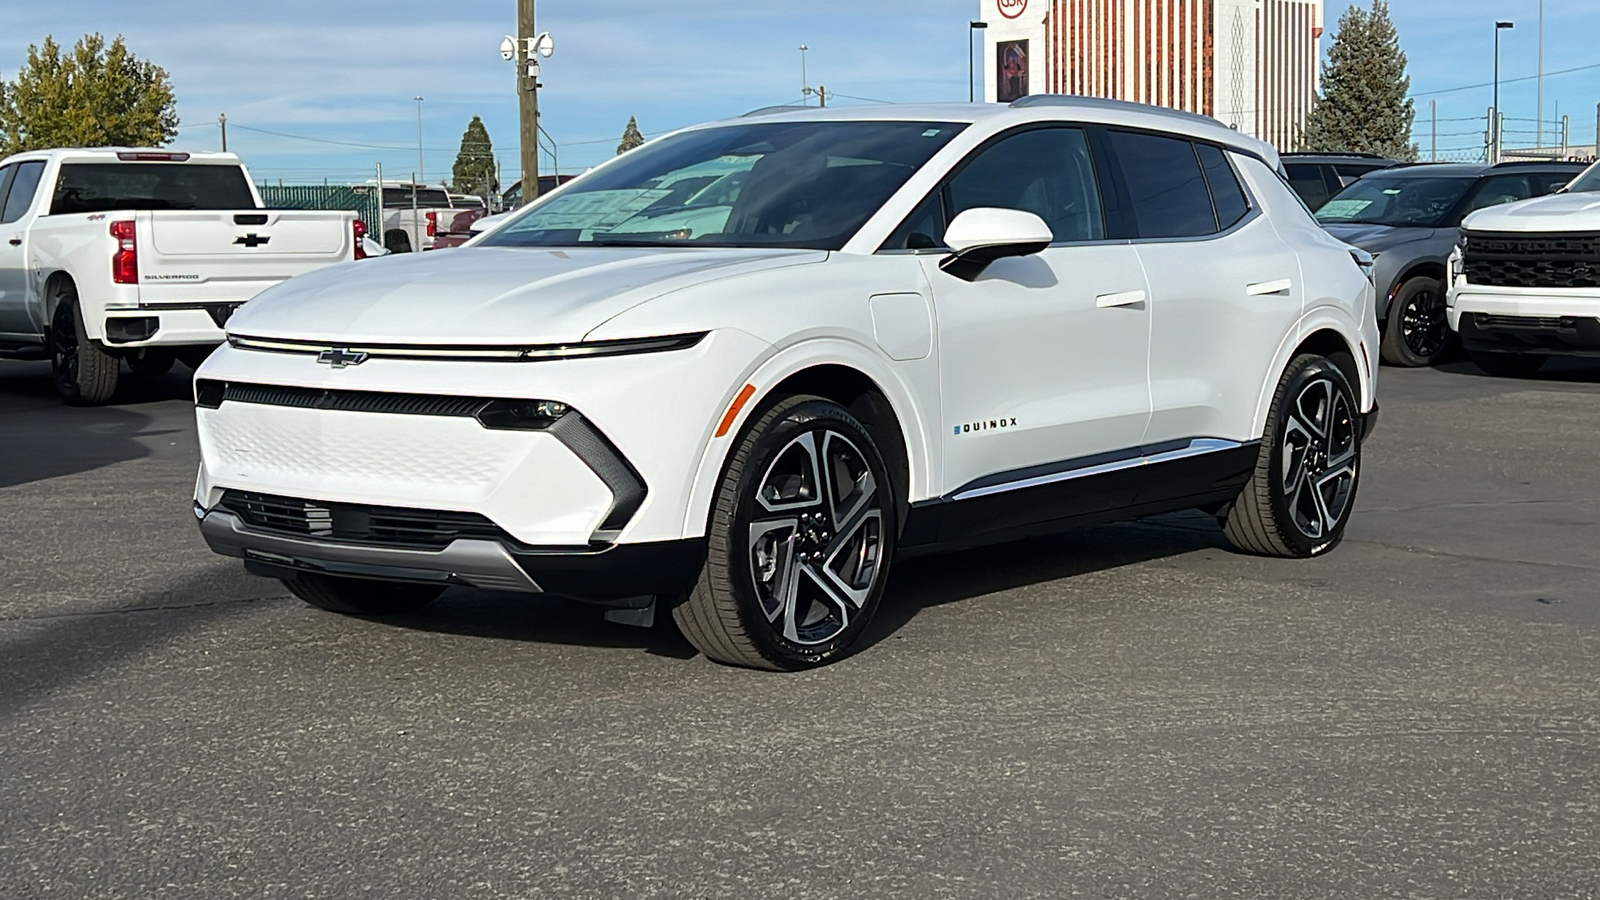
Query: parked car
x=512 y=198
x=1525 y=280
x=114 y=254
x=915 y=328
x=1316 y=177
x=411 y=214
x=1408 y=218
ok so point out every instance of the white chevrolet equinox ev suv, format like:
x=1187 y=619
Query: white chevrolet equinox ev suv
x=741 y=369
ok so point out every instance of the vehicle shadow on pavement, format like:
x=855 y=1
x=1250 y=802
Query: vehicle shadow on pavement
x=919 y=584
x=40 y=438
x=1566 y=370
x=915 y=585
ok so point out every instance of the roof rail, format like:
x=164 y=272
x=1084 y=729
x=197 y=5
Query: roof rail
x=769 y=110
x=1533 y=162
x=1106 y=103
x=1350 y=153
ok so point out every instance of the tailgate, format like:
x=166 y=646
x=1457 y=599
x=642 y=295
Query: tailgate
x=230 y=256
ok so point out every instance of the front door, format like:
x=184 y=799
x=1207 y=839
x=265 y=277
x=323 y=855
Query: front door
x=1043 y=358
x=18 y=186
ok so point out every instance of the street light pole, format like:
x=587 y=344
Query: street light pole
x=1540 y=113
x=805 y=84
x=1494 y=116
x=972 y=92
x=420 y=176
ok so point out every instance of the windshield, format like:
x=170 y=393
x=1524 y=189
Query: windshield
x=1588 y=182
x=1418 y=202
x=103 y=187
x=775 y=184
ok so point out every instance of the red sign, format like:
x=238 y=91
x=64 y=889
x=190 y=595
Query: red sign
x=1012 y=8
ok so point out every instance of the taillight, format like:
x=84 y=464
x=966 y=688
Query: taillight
x=433 y=224
x=125 y=262
x=360 y=229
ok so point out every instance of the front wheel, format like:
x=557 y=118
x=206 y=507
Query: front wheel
x=1507 y=365
x=1417 y=332
x=361 y=596
x=85 y=374
x=802 y=529
x=1299 y=497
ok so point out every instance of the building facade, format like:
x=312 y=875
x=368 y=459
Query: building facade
x=1252 y=64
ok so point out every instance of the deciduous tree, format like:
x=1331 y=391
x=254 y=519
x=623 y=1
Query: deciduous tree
x=97 y=95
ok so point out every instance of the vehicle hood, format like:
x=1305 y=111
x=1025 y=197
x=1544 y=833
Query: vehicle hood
x=1378 y=238
x=1557 y=212
x=490 y=295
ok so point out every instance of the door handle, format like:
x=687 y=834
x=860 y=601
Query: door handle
x=1264 y=288
x=15 y=242
x=1125 y=298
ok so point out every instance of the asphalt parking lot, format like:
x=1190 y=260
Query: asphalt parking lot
x=1128 y=711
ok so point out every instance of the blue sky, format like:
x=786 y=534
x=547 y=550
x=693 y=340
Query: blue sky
x=345 y=72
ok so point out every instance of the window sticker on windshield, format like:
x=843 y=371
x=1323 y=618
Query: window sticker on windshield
x=597 y=210
x=931 y=132
x=1342 y=209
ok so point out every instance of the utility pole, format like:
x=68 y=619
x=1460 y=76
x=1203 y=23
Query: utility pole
x=223 y=121
x=822 y=95
x=1540 y=113
x=420 y=173
x=1433 y=148
x=528 y=100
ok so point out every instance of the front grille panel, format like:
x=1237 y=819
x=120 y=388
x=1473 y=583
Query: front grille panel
x=384 y=526
x=1542 y=323
x=1533 y=260
x=342 y=401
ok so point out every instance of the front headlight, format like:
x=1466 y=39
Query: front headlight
x=1366 y=262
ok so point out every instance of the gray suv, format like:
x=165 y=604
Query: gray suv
x=1409 y=218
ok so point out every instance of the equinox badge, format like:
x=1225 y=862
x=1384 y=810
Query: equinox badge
x=339 y=357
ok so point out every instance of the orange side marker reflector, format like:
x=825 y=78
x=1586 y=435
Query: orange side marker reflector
x=733 y=409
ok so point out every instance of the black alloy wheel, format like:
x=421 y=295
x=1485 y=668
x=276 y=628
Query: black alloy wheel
x=801 y=535
x=84 y=373
x=1300 y=496
x=1417 y=332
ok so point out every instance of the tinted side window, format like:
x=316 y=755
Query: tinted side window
x=23 y=186
x=1165 y=185
x=1348 y=172
x=1306 y=180
x=923 y=229
x=1225 y=190
x=1500 y=189
x=1550 y=182
x=5 y=181
x=1045 y=171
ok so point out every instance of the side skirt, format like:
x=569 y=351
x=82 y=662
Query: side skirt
x=1112 y=488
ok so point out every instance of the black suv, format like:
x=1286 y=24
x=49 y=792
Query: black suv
x=1318 y=176
x=1409 y=219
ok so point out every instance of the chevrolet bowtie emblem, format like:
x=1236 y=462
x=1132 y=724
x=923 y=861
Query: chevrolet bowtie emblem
x=252 y=240
x=339 y=357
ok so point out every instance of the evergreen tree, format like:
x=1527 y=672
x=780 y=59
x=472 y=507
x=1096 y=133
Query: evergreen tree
x=631 y=137
x=474 y=169
x=95 y=96
x=1363 y=107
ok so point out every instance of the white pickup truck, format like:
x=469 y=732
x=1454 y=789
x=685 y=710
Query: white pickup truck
x=415 y=214
x=1525 y=280
x=112 y=255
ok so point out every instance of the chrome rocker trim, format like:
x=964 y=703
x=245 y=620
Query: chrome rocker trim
x=1196 y=447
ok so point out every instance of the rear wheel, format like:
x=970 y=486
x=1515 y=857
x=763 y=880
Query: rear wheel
x=1507 y=365
x=85 y=374
x=802 y=530
x=361 y=596
x=1299 y=498
x=1417 y=333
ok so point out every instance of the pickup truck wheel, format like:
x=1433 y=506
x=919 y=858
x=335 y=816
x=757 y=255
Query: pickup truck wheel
x=1507 y=365
x=802 y=529
x=85 y=374
x=397 y=242
x=1416 y=333
x=152 y=361
x=361 y=596
x=1299 y=497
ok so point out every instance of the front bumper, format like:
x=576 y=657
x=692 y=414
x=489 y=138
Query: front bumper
x=1526 y=320
x=610 y=575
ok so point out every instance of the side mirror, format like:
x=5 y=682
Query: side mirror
x=479 y=225
x=982 y=235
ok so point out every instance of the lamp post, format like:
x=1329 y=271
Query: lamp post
x=805 y=84
x=419 y=138
x=972 y=92
x=1494 y=111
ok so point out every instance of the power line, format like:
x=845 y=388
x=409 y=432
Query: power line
x=1505 y=81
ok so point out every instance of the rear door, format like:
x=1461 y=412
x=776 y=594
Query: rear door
x=1225 y=288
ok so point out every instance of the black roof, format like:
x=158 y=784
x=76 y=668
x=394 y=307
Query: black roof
x=1473 y=170
x=1309 y=156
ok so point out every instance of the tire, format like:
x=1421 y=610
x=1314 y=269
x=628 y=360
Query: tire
x=85 y=374
x=152 y=361
x=1300 y=496
x=794 y=571
x=1507 y=365
x=361 y=596
x=1416 y=332
x=397 y=242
